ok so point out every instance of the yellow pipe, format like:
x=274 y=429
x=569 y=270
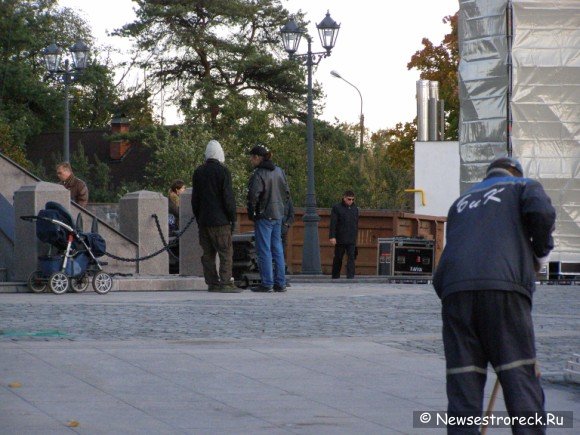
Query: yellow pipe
x=422 y=192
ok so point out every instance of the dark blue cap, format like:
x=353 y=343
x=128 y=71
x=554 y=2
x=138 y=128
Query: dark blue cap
x=506 y=163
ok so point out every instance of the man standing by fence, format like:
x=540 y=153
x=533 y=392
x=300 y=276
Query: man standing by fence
x=343 y=234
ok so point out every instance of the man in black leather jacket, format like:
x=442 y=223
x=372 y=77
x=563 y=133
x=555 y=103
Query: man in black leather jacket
x=268 y=193
x=498 y=236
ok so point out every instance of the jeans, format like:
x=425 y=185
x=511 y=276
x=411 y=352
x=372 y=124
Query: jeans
x=269 y=248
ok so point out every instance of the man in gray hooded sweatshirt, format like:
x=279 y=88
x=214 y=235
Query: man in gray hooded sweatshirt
x=214 y=208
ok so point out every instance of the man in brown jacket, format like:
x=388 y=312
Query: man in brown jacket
x=79 y=192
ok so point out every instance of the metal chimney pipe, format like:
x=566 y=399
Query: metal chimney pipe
x=433 y=112
x=441 y=119
x=422 y=110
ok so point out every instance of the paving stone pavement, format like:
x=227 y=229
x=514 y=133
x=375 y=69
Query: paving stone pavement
x=321 y=358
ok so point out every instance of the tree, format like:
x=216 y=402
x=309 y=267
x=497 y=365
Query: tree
x=220 y=60
x=336 y=158
x=176 y=152
x=387 y=167
x=30 y=102
x=439 y=63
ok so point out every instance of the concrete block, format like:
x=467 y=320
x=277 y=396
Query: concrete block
x=189 y=249
x=28 y=201
x=158 y=283
x=136 y=222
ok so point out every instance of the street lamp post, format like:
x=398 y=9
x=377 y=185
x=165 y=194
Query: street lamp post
x=52 y=58
x=362 y=117
x=291 y=35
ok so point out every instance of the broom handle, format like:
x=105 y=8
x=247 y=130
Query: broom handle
x=491 y=404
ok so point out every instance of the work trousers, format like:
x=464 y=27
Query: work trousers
x=216 y=241
x=339 y=251
x=496 y=327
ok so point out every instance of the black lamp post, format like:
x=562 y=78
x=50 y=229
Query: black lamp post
x=52 y=57
x=362 y=117
x=291 y=35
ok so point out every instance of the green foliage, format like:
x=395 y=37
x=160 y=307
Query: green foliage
x=31 y=102
x=27 y=103
x=219 y=60
x=94 y=98
x=176 y=153
x=137 y=107
x=387 y=168
x=9 y=147
x=96 y=174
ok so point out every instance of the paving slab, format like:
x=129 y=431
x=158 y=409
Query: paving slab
x=320 y=359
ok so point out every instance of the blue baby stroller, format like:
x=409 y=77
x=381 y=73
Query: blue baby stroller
x=75 y=259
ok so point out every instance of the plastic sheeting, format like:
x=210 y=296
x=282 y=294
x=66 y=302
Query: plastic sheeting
x=539 y=65
x=483 y=86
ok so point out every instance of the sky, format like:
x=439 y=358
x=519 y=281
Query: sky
x=376 y=41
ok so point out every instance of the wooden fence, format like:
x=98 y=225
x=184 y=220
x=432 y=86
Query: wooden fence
x=373 y=224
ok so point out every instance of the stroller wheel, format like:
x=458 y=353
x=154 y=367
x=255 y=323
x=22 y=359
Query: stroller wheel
x=58 y=283
x=36 y=282
x=102 y=283
x=80 y=283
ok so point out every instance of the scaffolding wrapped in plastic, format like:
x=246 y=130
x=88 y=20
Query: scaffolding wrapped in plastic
x=519 y=84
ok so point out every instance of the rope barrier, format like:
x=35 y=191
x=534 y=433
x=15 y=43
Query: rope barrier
x=166 y=246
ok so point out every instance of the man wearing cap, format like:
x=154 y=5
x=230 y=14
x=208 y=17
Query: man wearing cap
x=498 y=236
x=268 y=194
x=214 y=207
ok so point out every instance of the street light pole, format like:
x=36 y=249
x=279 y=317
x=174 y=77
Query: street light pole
x=291 y=34
x=362 y=117
x=311 y=246
x=52 y=56
x=66 y=143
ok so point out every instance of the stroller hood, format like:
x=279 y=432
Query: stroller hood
x=62 y=213
x=50 y=233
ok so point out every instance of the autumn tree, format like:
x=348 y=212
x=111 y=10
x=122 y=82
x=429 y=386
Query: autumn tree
x=439 y=63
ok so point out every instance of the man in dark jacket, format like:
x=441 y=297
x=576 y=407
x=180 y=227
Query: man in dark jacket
x=268 y=193
x=343 y=234
x=79 y=191
x=498 y=236
x=214 y=208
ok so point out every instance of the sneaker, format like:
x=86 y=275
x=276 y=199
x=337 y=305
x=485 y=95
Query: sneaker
x=279 y=288
x=262 y=289
x=230 y=288
x=213 y=288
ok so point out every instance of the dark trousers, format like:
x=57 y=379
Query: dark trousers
x=496 y=327
x=339 y=251
x=216 y=241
